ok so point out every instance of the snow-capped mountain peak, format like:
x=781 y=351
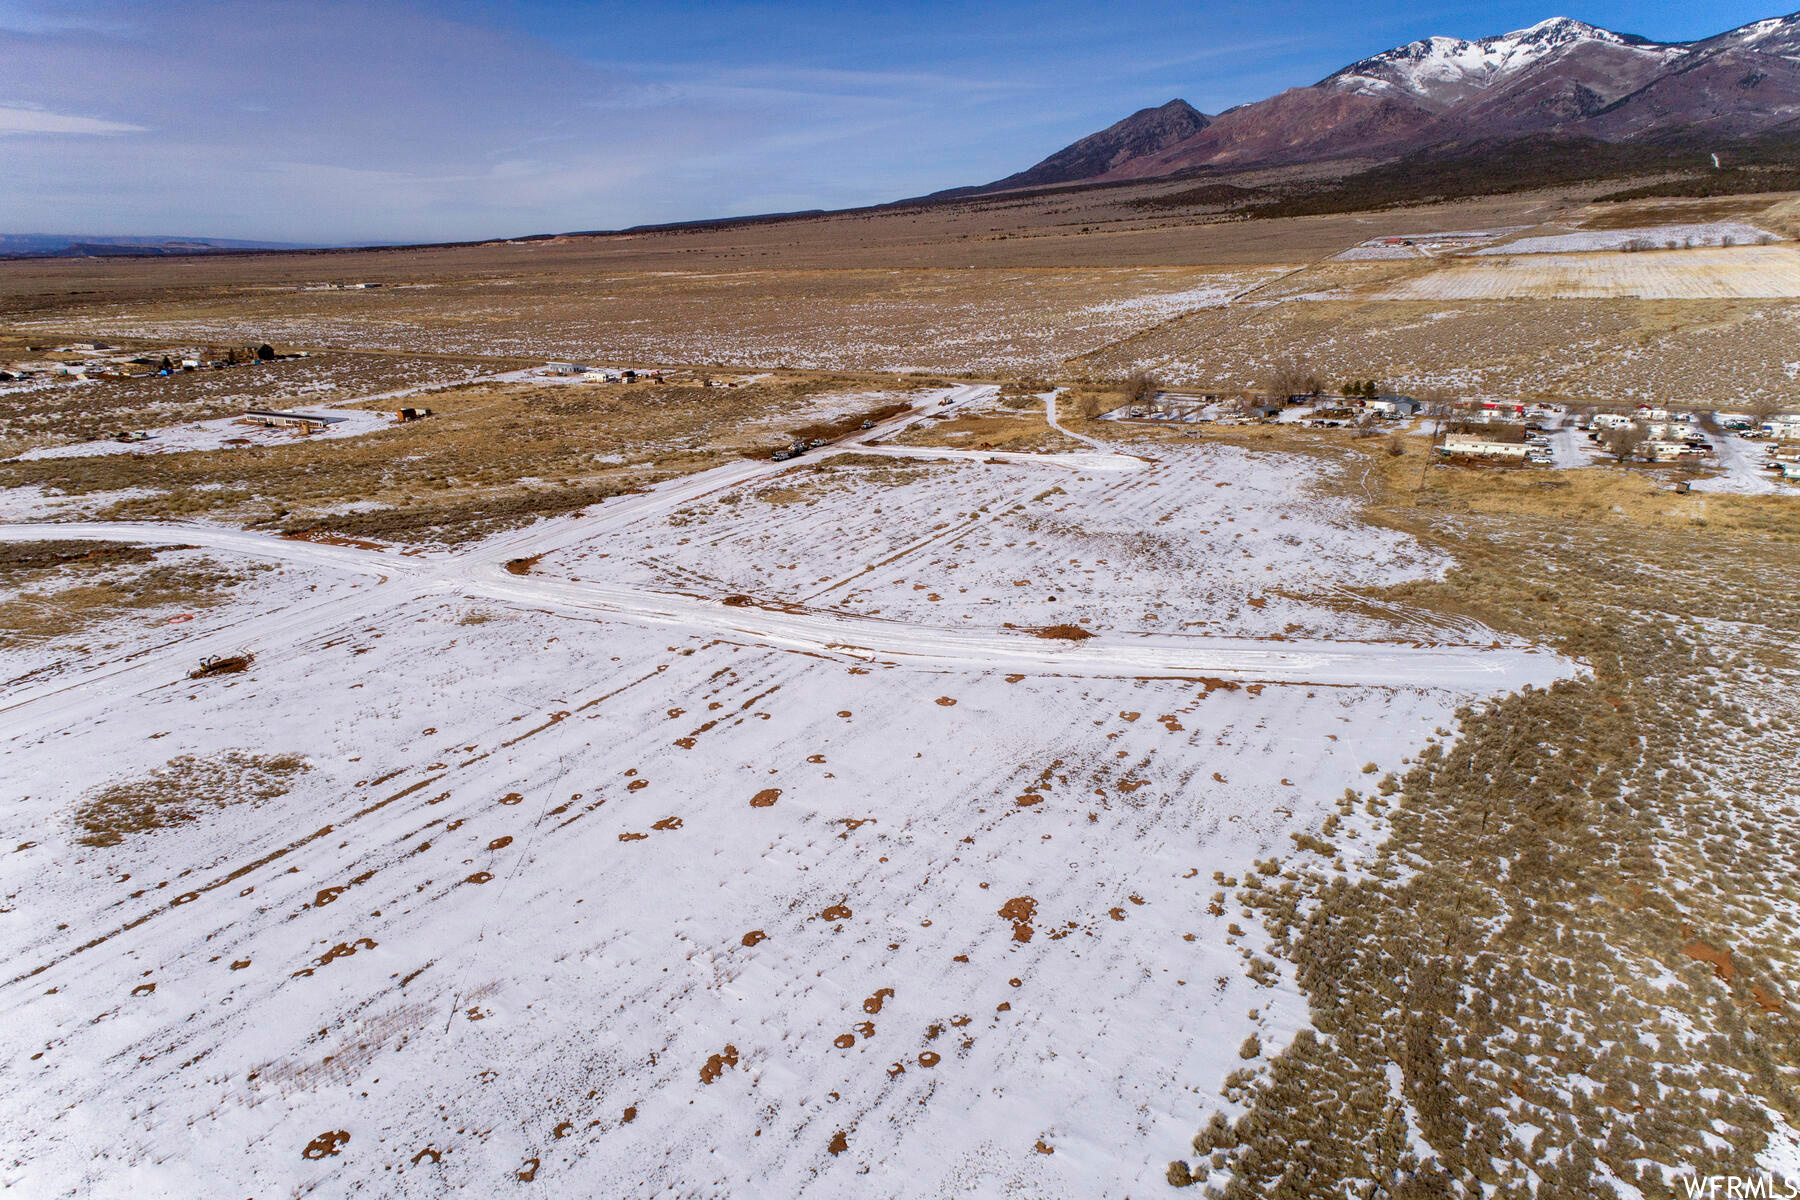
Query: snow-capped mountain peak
x=1560 y=78
x=1441 y=71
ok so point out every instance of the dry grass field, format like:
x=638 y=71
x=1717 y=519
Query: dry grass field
x=1699 y=352
x=1599 y=857
x=996 y=289
x=496 y=454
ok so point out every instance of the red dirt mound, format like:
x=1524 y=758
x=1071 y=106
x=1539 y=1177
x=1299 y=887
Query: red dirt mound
x=1067 y=633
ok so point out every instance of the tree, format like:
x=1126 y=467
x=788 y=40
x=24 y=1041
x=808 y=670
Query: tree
x=1438 y=404
x=1290 y=378
x=1760 y=409
x=1624 y=442
x=1140 y=385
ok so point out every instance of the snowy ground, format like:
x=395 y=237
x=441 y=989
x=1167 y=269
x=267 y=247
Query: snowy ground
x=1570 y=449
x=1161 y=306
x=225 y=433
x=600 y=874
x=1742 y=468
x=1660 y=237
x=1210 y=538
x=1752 y=272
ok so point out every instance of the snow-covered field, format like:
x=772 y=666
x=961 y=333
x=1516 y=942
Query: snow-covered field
x=1761 y=272
x=1656 y=237
x=1161 y=306
x=227 y=432
x=605 y=879
x=1209 y=538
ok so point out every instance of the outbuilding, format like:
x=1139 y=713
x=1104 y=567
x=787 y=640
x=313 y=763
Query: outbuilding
x=304 y=422
x=1396 y=406
x=1473 y=445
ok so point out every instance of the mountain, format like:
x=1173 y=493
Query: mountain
x=1559 y=77
x=1145 y=132
x=1735 y=85
x=1292 y=126
x=1439 y=74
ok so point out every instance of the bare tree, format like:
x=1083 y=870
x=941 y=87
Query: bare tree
x=1760 y=409
x=1289 y=378
x=1624 y=442
x=1140 y=385
x=1438 y=404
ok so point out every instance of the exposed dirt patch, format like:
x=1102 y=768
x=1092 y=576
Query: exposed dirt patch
x=1067 y=633
x=716 y=1063
x=327 y=1144
x=765 y=798
x=523 y=566
x=1020 y=910
x=1712 y=956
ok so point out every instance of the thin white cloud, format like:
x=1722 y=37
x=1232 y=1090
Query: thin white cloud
x=14 y=119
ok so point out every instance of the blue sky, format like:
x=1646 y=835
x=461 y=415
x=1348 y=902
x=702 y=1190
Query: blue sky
x=386 y=121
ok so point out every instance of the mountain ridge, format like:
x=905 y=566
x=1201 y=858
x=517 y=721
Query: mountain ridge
x=1561 y=76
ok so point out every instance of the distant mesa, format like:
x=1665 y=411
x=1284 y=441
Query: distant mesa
x=58 y=245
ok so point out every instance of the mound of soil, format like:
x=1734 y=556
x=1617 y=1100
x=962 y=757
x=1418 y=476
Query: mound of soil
x=232 y=665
